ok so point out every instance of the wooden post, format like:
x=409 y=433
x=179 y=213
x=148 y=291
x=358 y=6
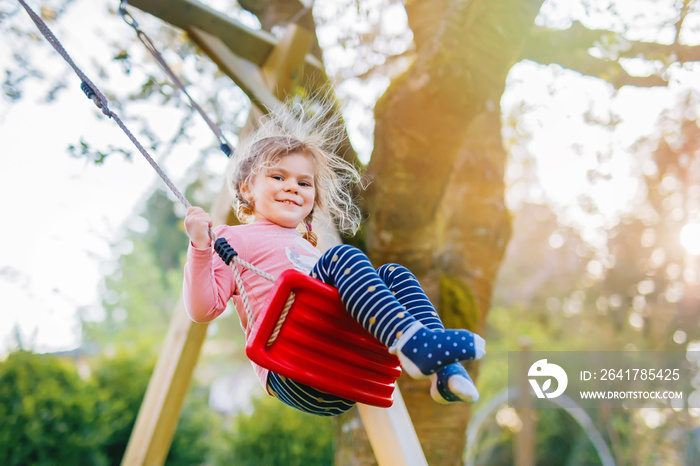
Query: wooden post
x=157 y=419
x=155 y=425
x=392 y=435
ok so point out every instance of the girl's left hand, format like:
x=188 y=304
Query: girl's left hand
x=197 y=225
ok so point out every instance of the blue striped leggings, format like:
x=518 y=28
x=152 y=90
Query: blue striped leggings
x=385 y=301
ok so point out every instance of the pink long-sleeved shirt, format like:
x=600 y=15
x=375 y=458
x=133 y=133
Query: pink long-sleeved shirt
x=209 y=282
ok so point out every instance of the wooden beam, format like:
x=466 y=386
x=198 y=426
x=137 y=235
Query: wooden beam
x=247 y=43
x=284 y=67
x=250 y=44
x=238 y=50
x=246 y=75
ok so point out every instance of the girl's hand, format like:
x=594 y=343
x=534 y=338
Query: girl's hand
x=197 y=225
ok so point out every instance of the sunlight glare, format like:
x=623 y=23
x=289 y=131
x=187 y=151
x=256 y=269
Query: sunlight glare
x=690 y=238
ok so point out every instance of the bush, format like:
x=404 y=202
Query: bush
x=51 y=416
x=121 y=381
x=48 y=413
x=277 y=435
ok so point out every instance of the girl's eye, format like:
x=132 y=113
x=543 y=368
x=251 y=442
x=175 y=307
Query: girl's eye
x=276 y=177
x=306 y=184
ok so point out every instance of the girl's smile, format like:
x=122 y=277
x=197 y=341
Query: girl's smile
x=283 y=194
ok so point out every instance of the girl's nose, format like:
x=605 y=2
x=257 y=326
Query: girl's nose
x=290 y=187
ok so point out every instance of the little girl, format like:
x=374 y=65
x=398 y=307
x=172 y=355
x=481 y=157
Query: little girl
x=280 y=177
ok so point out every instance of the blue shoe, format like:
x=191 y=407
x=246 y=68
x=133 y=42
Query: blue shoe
x=452 y=383
x=423 y=352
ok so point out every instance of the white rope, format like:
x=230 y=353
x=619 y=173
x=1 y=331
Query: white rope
x=282 y=318
x=255 y=269
x=244 y=295
x=250 y=317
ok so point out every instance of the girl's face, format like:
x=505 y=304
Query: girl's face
x=283 y=194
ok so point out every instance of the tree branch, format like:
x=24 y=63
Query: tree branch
x=569 y=48
x=666 y=52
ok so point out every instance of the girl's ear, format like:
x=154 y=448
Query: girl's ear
x=243 y=188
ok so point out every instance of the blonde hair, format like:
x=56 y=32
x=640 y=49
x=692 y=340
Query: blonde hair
x=312 y=127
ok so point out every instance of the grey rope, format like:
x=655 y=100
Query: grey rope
x=59 y=48
x=101 y=102
x=148 y=43
x=150 y=160
x=99 y=99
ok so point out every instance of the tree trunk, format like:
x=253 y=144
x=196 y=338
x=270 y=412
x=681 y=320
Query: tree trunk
x=436 y=202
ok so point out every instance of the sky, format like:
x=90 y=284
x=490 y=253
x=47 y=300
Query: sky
x=63 y=216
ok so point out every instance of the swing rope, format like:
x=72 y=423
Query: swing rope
x=228 y=254
x=93 y=93
x=148 y=43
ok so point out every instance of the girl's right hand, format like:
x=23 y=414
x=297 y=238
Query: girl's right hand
x=197 y=225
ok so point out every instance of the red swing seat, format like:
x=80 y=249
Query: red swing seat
x=320 y=345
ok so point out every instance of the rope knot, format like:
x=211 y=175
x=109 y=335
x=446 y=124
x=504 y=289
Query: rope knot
x=89 y=91
x=96 y=99
x=224 y=250
x=226 y=149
